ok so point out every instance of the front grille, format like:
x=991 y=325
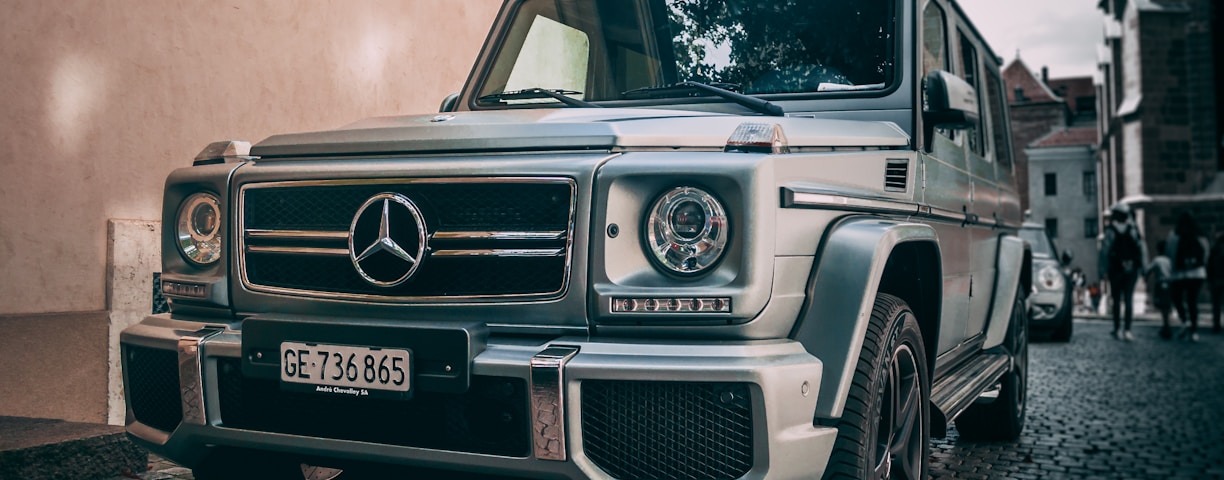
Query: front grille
x=153 y=386
x=676 y=430
x=490 y=418
x=488 y=238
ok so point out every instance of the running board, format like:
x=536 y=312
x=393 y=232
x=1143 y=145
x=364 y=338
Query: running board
x=953 y=393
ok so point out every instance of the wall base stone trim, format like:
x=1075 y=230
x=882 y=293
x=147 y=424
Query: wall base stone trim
x=133 y=254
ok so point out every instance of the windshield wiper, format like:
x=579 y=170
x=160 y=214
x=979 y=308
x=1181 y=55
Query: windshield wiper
x=533 y=93
x=719 y=89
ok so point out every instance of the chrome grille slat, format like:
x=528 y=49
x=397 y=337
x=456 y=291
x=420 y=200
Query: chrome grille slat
x=475 y=227
x=298 y=250
x=501 y=252
x=444 y=235
x=296 y=235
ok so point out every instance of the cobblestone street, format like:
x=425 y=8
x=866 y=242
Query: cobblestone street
x=1103 y=408
x=1098 y=408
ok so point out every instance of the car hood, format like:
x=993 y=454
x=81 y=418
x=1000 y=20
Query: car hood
x=567 y=129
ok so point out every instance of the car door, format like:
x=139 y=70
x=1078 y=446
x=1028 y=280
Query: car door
x=946 y=190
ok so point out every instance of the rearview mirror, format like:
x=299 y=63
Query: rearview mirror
x=449 y=103
x=950 y=102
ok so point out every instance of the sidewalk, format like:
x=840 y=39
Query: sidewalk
x=39 y=448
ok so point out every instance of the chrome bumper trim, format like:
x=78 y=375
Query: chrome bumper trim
x=191 y=386
x=548 y=401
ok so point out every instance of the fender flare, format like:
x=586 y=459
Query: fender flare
x=845 y=279
x=1013 y=272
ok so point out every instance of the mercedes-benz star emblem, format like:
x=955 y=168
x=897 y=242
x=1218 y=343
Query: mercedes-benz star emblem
x=387 y=239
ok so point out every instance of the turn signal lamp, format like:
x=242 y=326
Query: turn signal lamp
x=758 y=138
x=184 y=289
x=672 y=305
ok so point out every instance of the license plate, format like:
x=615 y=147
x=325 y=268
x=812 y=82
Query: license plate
x=344 y=369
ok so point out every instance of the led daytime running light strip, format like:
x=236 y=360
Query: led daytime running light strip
x=672 y=305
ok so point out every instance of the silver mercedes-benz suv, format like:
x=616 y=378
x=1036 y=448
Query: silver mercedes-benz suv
x=648 y=239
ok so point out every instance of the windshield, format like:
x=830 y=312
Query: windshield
x=600 y=49
x=1039 y=240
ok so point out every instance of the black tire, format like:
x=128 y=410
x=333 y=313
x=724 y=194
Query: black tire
x=1062 y=333
x=1003 y=419
x=884 y=431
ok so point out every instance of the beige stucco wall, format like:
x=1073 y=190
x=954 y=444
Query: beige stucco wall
x=103 y=98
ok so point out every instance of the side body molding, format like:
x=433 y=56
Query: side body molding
x=841 y=294
x=1013 y=274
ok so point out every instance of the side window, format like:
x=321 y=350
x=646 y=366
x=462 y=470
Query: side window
x=934 y=39
x=969 y=71
x=998 y=120
x=1090 y=184
x=554 y=55
x=1051 y=225
x=935 y=46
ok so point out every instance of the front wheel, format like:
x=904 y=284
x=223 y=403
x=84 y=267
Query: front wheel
x=884 y=431
x=1003 y=419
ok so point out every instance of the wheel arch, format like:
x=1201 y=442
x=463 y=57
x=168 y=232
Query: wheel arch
x=859 y=257
x=914 y=274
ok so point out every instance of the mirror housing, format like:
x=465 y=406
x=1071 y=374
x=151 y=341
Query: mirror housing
x=450 y=103
x=949 y=102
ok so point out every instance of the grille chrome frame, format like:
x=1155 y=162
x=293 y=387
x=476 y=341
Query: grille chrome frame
x=244 y=237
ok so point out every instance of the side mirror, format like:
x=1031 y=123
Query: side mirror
x=1066 y=257
x=450 y=103
x=949 y=102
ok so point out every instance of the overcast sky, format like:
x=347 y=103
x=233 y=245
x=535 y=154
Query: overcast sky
x=1060 y=34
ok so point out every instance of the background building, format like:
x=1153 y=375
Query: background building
x=1063 y=192
x=1055 y=136
x=1160 y=87
x=104 y=98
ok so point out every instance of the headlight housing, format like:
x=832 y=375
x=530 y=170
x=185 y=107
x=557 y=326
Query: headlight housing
x=1050 y=278
x=686 y=231
x=199 y=228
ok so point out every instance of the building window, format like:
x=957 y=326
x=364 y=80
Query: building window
x=1052 y=227
x=1090 y=184
x=1051 y=184
x=1090 y=227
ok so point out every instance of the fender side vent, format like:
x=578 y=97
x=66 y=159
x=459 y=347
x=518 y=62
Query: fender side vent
x=896 y=175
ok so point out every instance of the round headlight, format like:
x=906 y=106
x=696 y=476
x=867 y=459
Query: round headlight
x=199 y=228
x=686 y=231
x=1050 y=278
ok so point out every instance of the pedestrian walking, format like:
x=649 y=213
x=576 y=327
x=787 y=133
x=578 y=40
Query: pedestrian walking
x=1160 y=270
x=1215 y=280
x=1187 y=248
x=1122 y=258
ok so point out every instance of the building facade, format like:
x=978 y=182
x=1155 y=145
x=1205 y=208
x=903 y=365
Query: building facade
x=1055 y=137
x=104 y=99
x=1161 y=143
x=1063 y=193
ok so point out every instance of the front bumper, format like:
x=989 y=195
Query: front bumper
x=1050 y=308
x=649 y=407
